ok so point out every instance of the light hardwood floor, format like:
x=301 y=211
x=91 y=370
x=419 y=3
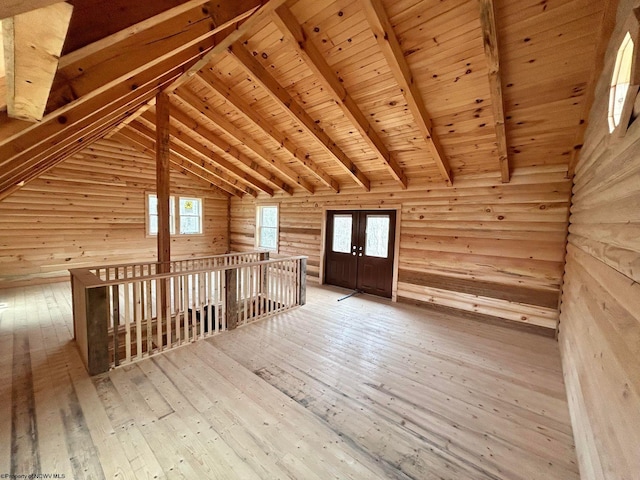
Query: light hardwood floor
x=358 y=389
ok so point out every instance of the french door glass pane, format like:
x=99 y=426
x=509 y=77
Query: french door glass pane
x=377 y=236
x=342 y=233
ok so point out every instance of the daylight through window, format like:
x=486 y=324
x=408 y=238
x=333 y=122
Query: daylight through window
x=620 y=82
x=189 y=215
x=267 y=227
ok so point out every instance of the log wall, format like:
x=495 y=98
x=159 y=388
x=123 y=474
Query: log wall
x=600 y=311
x=490 y=249
x=90 y=210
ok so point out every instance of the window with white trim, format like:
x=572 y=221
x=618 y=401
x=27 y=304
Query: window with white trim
x=267 y=227
x=188 y=215
x=620 y=81
x=625 y=79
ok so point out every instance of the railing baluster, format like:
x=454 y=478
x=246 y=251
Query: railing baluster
x=127 y=321
x=168 y=311
x=159 y=314
x=149 y=316
x=137 y=298
x=115 y=300
x=185 y=296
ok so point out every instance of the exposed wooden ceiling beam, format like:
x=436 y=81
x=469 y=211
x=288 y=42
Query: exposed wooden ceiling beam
x=191 y=100
x=22 y=147
x=210 y=80
x=10 y=8
x=178 y=148
x=225 y=149
x=194 y=144
x=288 y=24
x=255 y=69
x=10 y=185
x=388 y=42
x=231 y=34
x=143 y=135
x=19 y=139
x=224 y=13
x=490 y=40
x=125 y=140
x=32 y=46
x=23 y=152
x=142 y=144
x=100 y=65
x=131 y=118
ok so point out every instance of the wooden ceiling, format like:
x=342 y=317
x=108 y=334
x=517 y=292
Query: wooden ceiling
x=281 y=96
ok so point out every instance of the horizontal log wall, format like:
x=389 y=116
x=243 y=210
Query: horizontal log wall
x=600 y=311
x=491 y=249
x=90 y=210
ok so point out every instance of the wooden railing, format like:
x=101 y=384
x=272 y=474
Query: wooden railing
x=135 y=270
x=123 y=313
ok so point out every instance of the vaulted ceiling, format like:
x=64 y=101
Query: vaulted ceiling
x=283 y=96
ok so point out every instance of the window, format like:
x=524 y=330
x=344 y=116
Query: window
x=620 y=82
x=267 y=227
x=189 y=215
x=624 y=81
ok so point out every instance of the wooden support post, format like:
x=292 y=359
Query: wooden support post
x=115 y=296
x=302 y=282
x=97 y=314
x=231 y=297
x=162 y=188
x=264 y=277
x=90 y=319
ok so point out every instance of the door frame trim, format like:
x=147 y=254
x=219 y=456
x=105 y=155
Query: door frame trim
x=363 y=206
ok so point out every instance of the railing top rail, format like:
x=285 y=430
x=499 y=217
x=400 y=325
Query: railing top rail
x=195 y=259
x=98 y=282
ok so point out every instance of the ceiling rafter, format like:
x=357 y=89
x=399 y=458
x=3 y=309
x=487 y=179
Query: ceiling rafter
x=92 y=92
x=490 y=40
x=289 y=25
x=225 y=149
x=10 y=8
x=195 y=158
x=123 y=139
x=86 y=70
x=195 y=103
x=388 y=42
x=32 y=172
x=296 y=111
x=184 y=159
x=32 y=45
x=181 y=138
x=29 y=141
x=56 y=131
x=144 y=145
x=232 y=31
x=209 y=79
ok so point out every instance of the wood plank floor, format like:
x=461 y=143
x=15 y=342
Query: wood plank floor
x=358 y=389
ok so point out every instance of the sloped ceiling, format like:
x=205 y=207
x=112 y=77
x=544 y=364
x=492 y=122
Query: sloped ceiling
x=322 y=95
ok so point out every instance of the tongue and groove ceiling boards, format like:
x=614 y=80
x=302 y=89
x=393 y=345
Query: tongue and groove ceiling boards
x=278 y=97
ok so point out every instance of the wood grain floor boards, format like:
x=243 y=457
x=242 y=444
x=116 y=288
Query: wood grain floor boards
x=534 y=431
x=358 y=389
x=338 y=401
